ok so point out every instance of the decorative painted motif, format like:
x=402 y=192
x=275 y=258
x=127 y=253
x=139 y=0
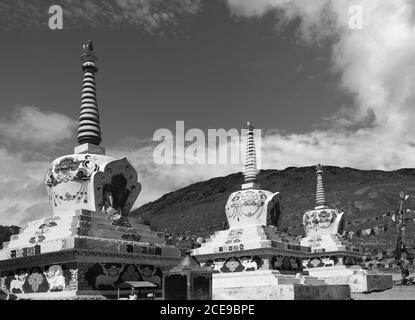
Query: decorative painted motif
x=235 y=233
x=37 y=238
x=110 y=277
x=35 y=280
x=245 y=203
x=55 y=278
x=122 y=222
x=151 y=274
x=40 y=279
x=229 y=241
x=314 y=242
x=236 y=264
x=67 y=170
x=329 y=261
x=124 y=226
x=232 y=264
x=286 y=263
x=249 y=264
x=107 y=276
x=49 y=223
x=217 y=265
x=44 y=228
x=319 y=219
x=318 y=262
x=71 y=169
x=18 y=282
x=234 y=236
x=131 y=274
x=231 y=245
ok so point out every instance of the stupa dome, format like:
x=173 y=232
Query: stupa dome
x=252 y=206
x=80 y=181
x=322 y=221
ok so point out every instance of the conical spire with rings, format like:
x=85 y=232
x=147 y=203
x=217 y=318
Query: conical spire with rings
x=320 y=195
x=89 y=130
x=251 y=171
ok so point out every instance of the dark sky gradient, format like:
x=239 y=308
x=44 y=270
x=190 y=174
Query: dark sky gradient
x=213 y=71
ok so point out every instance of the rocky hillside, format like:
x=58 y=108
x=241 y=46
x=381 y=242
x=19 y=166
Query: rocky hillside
x=199 y=208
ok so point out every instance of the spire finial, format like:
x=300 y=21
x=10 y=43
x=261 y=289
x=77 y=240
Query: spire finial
x=250 y=173
x=88 y=46
x=89 y=123
x=320 y=195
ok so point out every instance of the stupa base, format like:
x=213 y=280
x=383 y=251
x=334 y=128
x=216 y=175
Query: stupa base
x=274 y=285
x=359 y=280
x=70 y=274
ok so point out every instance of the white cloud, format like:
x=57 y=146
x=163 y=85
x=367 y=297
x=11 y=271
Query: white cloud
x=377 y=67
x=376 y=63
x=22 y=192
x=31 y=125
x=28 y=135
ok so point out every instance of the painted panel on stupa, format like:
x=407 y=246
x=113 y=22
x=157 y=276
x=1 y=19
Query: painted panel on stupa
x=81 y=181
x=323 y=221
x=106 y=276
x=248 y=207
x=51 y=278
x=286 y=263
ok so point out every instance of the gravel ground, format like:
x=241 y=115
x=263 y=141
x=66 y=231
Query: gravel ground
x=395 y=293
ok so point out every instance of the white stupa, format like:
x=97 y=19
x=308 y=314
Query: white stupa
x=89 y=245
x=332 y=258
x=252 y=259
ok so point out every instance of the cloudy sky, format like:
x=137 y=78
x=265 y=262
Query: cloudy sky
x=319 y=90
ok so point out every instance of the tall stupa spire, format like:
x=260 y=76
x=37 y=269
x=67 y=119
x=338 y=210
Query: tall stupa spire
x=320 y=195
x=251 y=171
x=89 y=125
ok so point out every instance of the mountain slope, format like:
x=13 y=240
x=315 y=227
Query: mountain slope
x=199 y=208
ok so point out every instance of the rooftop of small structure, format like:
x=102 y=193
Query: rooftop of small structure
x=188 y=263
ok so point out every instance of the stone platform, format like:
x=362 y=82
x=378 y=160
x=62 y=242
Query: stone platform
x=259 y=262
x=254 y=247
x=359 y=280
x=83 y=254
x=342 y=265
x=274 y=285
